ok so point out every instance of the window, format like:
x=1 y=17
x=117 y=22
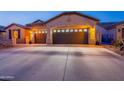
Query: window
x=122 y=29
x=76 y=30
x=119 y=30
x=54 y=31
x=58 y=31
x=85 y=30
x=63 y=30
x=71 y=30
x=67 y=30
x=43 y=32
x=10 y=34
x=80 y=30
x=19 y=34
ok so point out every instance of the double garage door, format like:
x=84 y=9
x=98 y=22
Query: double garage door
x=70 y=36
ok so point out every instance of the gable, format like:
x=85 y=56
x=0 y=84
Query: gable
x=70 y=19
x=14 y=27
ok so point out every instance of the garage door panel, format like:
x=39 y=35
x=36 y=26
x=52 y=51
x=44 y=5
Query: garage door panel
x=70 y=38
x=40 y=38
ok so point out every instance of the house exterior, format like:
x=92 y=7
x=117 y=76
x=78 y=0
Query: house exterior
x=65 y=28
x=120 y=31
x=2 y=34
x=108 y=32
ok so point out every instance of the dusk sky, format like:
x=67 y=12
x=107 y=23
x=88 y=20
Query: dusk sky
x=7 y=18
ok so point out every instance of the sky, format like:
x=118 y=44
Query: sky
x=24 y=17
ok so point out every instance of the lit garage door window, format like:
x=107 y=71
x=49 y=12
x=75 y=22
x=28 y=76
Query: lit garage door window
x=67 y=30
x=85 y=30
x=63 y=30
x=76 y=30
x=54 y=31
x=71 y=30
x=80 y=30
x=58 y=31
x=43 y=32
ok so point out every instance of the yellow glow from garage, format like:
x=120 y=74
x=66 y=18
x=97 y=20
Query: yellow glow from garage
x=92 y=33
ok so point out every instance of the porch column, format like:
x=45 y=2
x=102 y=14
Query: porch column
x=13 y=41
x=27 y=40
x=49 y=39
x=32 y=36
x=92 y=35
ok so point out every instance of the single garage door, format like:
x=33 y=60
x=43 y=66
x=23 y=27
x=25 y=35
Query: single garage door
x=72 y=36
x=40 y=38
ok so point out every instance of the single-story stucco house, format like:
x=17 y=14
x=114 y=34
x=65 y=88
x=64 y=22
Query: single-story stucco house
x=65 y=28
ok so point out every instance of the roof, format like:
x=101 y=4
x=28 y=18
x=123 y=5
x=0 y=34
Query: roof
x=121 y=22
x=21 y=26
x=109 y=25
x=37 y=22
x=70 y=13
x=2 y=29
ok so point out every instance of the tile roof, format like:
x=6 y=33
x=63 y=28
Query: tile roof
x=19 y=25
x=37 y=22
x=2 y=28
x=109 y=25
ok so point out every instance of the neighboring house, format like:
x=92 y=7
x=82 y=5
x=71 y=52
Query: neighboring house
x=120 y=31
x=66 y=28
x=108 y=32
x=2 y=34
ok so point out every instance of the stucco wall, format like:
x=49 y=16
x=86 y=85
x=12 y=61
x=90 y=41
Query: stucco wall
x=102 y=31
x=70 y=20
x=119 y=33
x=22 y=33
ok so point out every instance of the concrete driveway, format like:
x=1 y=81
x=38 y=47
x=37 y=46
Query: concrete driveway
x=60 y=63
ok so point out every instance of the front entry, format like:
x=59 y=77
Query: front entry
x=70 y=36
x=40 y=38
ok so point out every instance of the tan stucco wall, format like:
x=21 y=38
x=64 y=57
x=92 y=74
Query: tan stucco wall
x=22 y=33
x=119 y=34
x=72 y=20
